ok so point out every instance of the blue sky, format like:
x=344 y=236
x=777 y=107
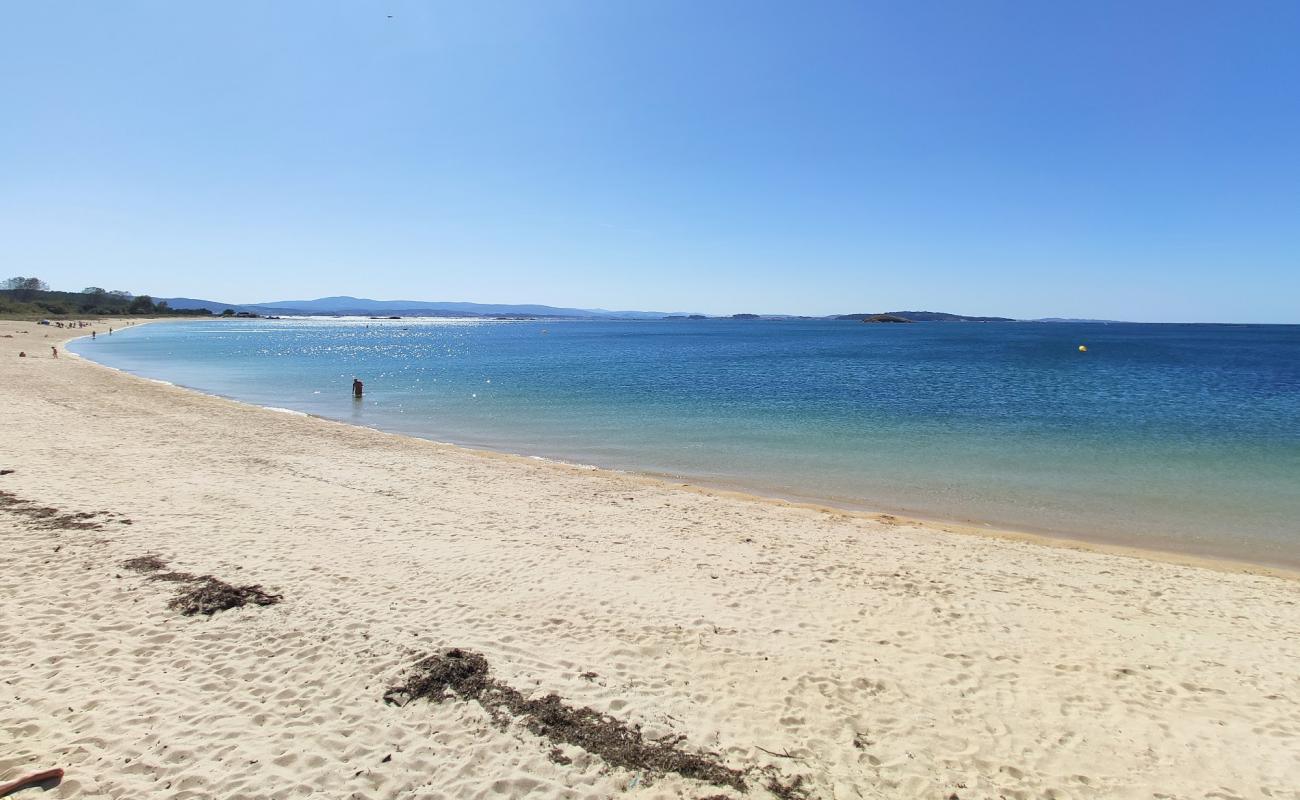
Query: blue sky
x=1120 y=160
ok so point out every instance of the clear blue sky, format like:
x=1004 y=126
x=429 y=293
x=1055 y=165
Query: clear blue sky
x=1105 y=159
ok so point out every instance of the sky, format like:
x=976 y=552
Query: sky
x=1121 y=160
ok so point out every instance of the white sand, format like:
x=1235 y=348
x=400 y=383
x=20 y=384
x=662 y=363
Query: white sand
x=889 y=660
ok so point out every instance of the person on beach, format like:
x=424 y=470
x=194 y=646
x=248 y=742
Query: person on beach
x=357 y=388
x=92 y=334
x=54 y=350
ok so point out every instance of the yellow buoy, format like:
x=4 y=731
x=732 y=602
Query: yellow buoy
x=1083 y=348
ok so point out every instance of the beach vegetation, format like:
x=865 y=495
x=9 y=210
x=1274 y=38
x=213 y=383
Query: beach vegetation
x=25 y=287
x=25 y=297
x=26 y=284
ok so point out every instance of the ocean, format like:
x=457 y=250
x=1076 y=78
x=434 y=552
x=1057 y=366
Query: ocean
x=1173 y=437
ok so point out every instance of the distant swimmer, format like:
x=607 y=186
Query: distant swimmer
x=357 y=388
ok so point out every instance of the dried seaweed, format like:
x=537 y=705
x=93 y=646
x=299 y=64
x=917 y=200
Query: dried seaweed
x=47 y=518
x=204 y=594
x=176 y=577
x=787 y=788
x=208 y=595
x=144 y=564
x=466 y=674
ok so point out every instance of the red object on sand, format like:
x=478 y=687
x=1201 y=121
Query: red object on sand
x=29 y=781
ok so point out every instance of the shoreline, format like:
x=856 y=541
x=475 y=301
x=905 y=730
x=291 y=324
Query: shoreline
x=847 y=655
x=937 y=525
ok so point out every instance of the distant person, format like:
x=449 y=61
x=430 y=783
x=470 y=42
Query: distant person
x=357 y=388
x=54 y=350
x=92 y=334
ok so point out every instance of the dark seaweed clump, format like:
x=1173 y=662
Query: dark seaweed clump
x=49 y=519
x=465 y=674
x=203 y=594
x=208 y=595
x=788 y=788
x=144 y=564
x=176 y=577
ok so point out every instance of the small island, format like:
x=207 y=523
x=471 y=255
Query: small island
x=885 y=318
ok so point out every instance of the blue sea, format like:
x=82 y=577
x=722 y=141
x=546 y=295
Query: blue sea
x=1174 y=437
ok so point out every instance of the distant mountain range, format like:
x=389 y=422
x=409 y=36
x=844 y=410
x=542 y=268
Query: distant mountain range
x=362 y=307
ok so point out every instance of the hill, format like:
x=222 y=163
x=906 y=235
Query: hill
x=924 y=316
x=359 y=306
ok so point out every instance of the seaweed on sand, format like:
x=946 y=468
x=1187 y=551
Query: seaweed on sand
x=175 y=577
x=465 y=674
x=787 y=788
x=204 y=593
x=208 y=595
x=47 y=518
x=144 y=564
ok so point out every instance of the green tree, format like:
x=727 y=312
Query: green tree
x=24 y=287
x=95 y=298
x=229 y=312
x=141 y=305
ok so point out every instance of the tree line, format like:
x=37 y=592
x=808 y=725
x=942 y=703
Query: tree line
x=22 y=295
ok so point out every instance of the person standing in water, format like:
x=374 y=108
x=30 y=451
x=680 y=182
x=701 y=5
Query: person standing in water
x=357 y=388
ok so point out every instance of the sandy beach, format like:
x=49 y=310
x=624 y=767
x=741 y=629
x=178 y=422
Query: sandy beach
x=806 y=652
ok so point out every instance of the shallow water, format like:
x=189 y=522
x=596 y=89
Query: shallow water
x=1182 y=437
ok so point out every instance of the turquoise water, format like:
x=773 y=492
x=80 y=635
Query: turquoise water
x=1183 y=437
